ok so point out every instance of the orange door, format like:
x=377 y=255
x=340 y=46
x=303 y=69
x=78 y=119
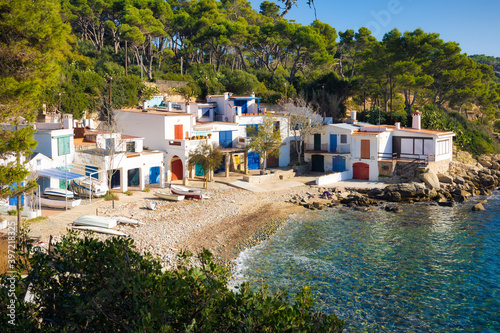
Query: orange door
x=178 y=132
x=361 y=171
x=365 y=149
x=176 y=168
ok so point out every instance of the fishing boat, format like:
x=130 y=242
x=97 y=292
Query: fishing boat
x=101 y=230
x=59 y=202
x=124 y=220
x=169 y=196
x=187 y=192
x=58 y=192
x=96 y=221
x=85 y=186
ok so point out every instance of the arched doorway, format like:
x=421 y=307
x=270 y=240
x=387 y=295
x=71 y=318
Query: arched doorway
x=361 y=171
x=176 y=168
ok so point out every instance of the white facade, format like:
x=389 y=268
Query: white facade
x=228 y=106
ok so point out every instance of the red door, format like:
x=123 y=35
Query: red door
x=176 y=168
x=178 y=132
x=361 y=171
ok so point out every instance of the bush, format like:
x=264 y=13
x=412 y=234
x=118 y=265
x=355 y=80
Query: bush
x=128 y=193
x=146 y=189
x=107 y=286
x=110 y=196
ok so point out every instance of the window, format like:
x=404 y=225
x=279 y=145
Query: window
x=443 y=147
x=38 y=162
x=92 y=171
x=343 y=138
x=178 y=132
x=206 y=113
x=110 y=144
x=63 y=147
x=131 y=147
x=277 y=127
x=252 y=130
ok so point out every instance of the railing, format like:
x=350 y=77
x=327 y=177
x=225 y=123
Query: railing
x=388 y=156
x=85 y=147
x=312 y=147
x=341 y=149
x=416 y=162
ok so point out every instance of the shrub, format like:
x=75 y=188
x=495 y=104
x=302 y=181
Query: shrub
x=110 y=196
x=146 y=189
x=127 y=193
x=107 y=286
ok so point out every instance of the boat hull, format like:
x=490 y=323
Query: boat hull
x=187 y=192
x=58 y=192
x=100 y=230
x=169 y=196
x=54 y=202
x=96 y=221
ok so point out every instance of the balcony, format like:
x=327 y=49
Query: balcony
x=185 y=144
x=325 y=149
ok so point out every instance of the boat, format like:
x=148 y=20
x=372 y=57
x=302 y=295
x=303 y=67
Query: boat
x=169 y=196
x=96 y=221
x=187 y=192
x=59 y=202
x=101 y=230
x=58 y=192
x=124 y=220
x=82 y=187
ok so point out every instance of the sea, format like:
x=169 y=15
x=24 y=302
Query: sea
x=428 y=269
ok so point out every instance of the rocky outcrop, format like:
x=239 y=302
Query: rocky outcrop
x=430 y=179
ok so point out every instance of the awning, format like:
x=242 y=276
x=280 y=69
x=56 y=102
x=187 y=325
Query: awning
x=61 y=174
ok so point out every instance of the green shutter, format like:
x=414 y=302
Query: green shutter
x=63 y=146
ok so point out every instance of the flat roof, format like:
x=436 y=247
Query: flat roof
x=155 y=111
x=409 y=129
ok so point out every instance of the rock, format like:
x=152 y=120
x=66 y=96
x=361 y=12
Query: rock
x=459 y=180
x=430 y=179
x=478 y=207
x=485 y=161
x=445 y=178
x=447 y=203
x=495 y=165
x=487 y=180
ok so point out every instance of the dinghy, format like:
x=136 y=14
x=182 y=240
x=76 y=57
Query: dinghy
x=187 y=192
x=96 y=221
x=169 y=196
x=58 y=192
x=83 y=187
x=59 y=202
x=101 y=230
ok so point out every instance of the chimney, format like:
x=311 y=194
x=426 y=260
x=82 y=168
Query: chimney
x=169 y=106
x=416 y=122
x=353 y=116
x=398 y=125
x=145 y=106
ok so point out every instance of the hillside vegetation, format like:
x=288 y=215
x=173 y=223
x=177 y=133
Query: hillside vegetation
x=226 y=45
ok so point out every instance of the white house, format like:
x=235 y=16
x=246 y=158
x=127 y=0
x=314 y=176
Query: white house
x=229 y=106
x=121 y=157
x=365 y=152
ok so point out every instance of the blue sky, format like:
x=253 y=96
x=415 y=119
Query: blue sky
x=475 y=25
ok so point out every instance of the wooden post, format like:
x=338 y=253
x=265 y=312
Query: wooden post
x=246 y=163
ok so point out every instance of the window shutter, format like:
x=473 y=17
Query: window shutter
x=178 y=132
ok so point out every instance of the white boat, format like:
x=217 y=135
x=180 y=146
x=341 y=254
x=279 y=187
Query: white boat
x=101 y=230
x=58 y=192
x=96 y=221
x=169 y=196
x=124 y=220
x=59 y=202
x=83 y=187
x=195 y=193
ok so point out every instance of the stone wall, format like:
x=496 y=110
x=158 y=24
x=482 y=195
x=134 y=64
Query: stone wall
x=274 y=176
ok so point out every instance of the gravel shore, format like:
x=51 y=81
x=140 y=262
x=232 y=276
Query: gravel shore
x=226 y=223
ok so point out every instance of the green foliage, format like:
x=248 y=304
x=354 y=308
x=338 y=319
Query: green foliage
x=266 y=142
x=107 y=286
x=208 y=155
x=110 y=196
x=128 y=193
x=148 y=92
x=146 y=189
x=239 y=82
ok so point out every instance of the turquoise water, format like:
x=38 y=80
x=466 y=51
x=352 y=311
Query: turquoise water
x=429 y=269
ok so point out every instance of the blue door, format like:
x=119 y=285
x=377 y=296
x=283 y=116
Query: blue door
x=243 y=104
x=13 y=200
x=253 y=161
x=333 y=143
x=338 y=164
x=226 y=139
x=198 y=170
x=154 y=175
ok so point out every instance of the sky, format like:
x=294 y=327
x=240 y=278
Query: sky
x=475 y=25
